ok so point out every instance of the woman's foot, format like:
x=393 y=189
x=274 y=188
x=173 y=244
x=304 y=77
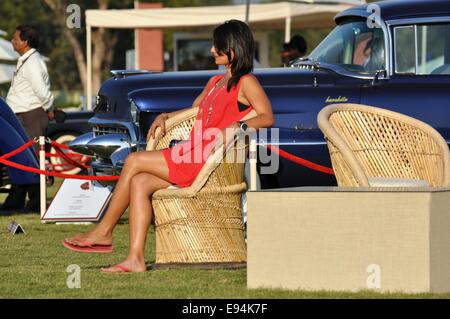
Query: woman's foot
x=126 y=266
x=91 y=238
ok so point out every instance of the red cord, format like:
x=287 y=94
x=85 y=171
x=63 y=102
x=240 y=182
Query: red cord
x=301 y=161
x=38 y=171
x=4 y=161
x=57 y=146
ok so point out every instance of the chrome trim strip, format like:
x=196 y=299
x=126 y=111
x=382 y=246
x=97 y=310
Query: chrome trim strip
x=397 y=22
x=408 y=22
x=105 y=145
x=263 y=143
x=387 y=58
x=387 y=48
x=119 y=74
x=416 y=49
x=132 y=129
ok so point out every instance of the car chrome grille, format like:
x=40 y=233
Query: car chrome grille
x=104 y=130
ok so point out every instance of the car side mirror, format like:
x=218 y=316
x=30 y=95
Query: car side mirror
x=60 y=116
x=379 y=75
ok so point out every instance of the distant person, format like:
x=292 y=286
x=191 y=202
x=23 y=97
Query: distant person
x=371 y=58
x=366 y=53
x=30 y=98
x=295 y=48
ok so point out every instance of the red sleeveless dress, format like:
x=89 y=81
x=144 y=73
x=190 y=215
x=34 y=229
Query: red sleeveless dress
x=186 y=159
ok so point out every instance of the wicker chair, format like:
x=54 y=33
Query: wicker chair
x=371 y=147
x=201 y=225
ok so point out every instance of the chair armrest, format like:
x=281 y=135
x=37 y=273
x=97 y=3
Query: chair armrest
x=177 y=127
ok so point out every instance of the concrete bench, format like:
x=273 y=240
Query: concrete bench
x=349 y=239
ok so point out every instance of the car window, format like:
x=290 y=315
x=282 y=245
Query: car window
x=422 y=49
x=405 y=50
x=353 y=46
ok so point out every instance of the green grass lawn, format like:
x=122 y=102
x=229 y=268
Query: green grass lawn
x=34 y=265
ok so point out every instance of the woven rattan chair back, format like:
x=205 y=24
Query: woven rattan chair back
x=367 y=142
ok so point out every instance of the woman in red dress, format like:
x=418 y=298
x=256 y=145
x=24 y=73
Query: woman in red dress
x=223 y=102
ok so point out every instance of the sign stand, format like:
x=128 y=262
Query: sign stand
x=78 y=201
x=15 y=228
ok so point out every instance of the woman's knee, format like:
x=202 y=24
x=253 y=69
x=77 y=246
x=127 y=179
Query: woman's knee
x=133 y=159
x=139 y=183
x=130 y=159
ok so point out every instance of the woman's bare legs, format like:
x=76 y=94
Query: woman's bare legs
x=143 y=185
x=141 y=162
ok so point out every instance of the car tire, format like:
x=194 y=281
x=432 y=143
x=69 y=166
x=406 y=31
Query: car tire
x=64 y=138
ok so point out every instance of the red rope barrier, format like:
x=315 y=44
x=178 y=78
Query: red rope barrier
x=68 y=159
x=4 y=161
x=64 y=146
x=301 y=161
x=72 y=159
x=71 y=162
x=38 y=171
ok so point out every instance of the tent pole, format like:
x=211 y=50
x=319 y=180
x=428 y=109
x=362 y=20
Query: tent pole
x=136 y=41
x=89 y=67
x=247 y=12
x=287 y=30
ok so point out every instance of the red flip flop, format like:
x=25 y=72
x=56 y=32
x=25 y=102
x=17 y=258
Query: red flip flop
x=122 y=269
x=89 y=247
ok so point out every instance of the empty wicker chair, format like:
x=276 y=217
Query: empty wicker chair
x=370 y=146
x=201 y=225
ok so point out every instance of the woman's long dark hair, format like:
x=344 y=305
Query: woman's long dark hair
x=236 y=36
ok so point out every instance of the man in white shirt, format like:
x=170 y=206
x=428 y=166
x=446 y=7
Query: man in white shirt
x=31 y=100
x=30 y=88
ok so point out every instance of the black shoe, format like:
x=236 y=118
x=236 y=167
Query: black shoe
x=16 y=198
x=34 y=202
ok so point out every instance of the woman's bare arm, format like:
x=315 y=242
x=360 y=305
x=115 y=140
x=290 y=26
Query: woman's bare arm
x=251 y=93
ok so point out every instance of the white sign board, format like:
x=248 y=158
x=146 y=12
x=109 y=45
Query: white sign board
x=78 y=200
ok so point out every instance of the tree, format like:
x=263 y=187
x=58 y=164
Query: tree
x=63 y=46
x=104 y=41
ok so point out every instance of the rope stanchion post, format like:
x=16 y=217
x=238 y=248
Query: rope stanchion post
x=42 y=178
x=253 y=159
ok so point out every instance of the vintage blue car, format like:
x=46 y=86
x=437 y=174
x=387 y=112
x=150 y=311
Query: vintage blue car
x=390 y=54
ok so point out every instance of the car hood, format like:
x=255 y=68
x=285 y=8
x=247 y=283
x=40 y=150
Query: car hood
x=156 y=91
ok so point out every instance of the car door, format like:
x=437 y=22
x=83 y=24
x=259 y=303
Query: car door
x=296 y=103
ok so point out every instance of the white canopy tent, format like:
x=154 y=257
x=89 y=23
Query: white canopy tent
x=307 y=14
x=6 y=72
x=7 y=52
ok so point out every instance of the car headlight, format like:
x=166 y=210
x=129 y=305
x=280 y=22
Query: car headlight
x=134 y=112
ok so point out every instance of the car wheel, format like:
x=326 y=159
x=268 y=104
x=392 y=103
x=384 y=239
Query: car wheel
x=65 y=138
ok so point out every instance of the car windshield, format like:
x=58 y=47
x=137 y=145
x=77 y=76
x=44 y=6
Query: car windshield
x=354 y=46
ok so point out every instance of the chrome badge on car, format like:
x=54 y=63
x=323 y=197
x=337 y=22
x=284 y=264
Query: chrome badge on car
x=339 y=99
